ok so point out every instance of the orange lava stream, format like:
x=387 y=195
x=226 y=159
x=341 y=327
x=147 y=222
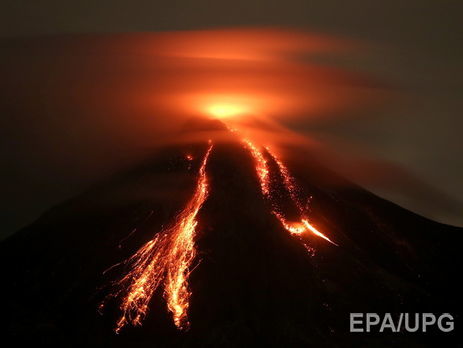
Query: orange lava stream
x=263 y=173
x=288 y=181
x=316 y=232
x=291 y=187
x=166 y=260
x=261 y=167
x=183 y=252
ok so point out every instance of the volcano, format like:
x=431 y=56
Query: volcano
x=221 y=243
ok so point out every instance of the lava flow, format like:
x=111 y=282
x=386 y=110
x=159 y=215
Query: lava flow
x=263 y=173
x=166 y=259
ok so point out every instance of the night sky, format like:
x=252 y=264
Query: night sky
x=413 y=47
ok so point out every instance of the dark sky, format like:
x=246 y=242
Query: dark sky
x=414 y=46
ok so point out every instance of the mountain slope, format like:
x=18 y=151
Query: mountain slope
x=253 y=282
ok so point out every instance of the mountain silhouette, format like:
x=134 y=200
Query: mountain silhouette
x=252 y=281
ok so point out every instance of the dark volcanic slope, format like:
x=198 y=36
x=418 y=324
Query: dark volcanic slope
x=255 y=282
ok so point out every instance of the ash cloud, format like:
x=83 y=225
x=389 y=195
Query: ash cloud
x=81 y=107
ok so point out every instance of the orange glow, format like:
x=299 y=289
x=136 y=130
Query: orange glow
x=227 y=106
x=226 y=110
x=238 y=72
x=164 y=260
